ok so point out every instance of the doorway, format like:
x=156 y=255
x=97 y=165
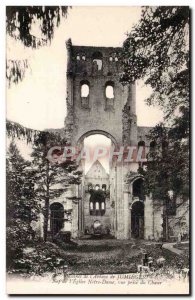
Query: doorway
x=57 y=218
x=137 y=220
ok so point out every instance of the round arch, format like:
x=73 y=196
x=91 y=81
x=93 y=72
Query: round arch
x=134 y=201
x=136 y=177
x=93 y=132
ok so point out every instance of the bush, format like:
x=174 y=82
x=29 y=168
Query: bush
x=38 y=259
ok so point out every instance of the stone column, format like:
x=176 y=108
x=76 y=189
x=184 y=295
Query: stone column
x=148 y=218
x=120 y=203
x=127 y=214
x=130 y=207
x=132 y=114
x=69 y=119
x=74 y=219
x=132 y=98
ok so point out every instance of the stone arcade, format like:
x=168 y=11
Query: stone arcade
x=97 y=103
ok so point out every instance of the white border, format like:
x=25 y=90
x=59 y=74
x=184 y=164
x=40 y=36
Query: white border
x=3 y=106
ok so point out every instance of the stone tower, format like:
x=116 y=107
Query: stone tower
x=97 y=103
x=95 y=98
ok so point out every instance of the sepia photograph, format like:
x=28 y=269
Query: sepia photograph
x=98 y=150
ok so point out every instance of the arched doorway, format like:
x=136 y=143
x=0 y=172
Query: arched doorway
x=56 y=218
x=137 y=220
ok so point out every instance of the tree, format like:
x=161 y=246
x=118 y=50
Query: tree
x=157 y=51
x=167 y=171
x=52 y=179
x=22 y=207
x=17 y=131
x=19 y=23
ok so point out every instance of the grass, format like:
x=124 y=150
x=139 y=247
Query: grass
x=115 y=256
x=99 y=256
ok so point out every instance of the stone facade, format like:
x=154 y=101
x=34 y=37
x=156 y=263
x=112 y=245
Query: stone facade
x=91 y=72
x=97 y=182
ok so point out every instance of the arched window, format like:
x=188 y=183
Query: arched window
x=109 y=90
x=84 y=90
x=97 y=205
x=110 y=58
x=97 y=187
x=103 y=205
x=91 y=205
x=104 y=187
x=83 y=57
x=97 y=61
x=85 y=94
x=78 y=57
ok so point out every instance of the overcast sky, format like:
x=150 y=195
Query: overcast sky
x=38 y=101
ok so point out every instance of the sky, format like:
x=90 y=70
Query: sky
x=92 y=143
x=38 y=101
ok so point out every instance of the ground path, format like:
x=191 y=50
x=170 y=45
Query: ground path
x=170 y=247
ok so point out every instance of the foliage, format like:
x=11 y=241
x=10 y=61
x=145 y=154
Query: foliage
x=22 y=208
x=51 y=178
x=38 y=258
x=157 y=51
x=20 y=19
x=168 y=165
x=15 y=130
x=29 y=184
x=19 y=24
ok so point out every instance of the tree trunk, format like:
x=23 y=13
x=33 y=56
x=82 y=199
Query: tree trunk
x=165 y=221
x=46 y=218
x=46 y=208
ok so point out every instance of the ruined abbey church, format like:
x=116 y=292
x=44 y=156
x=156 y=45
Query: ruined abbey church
x=111 y=203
